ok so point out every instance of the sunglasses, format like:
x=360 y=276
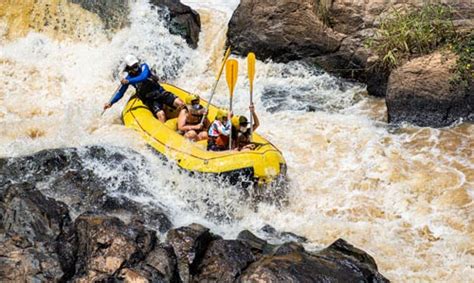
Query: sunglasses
x=135 y=68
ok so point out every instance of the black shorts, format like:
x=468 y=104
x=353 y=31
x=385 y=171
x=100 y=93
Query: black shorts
x=156 y=100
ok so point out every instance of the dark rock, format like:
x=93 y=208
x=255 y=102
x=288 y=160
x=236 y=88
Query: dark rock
x=67 y=175
x=163 y=260
x=287 y=248
x=31 y=226
x=342 y=246
x=182 y=20
x=377 y=80
x=106 y=245
x=114 y=14
x=159 y=266
x=224 y=261
x=283 y=236
x=287 y=31
x=289 y=236
x=258 y=245
x=189 y=244
x=290 y=263
x=422 y=92
x=269 y=229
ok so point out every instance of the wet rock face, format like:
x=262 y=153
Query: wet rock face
x=287 y=31
x=293 y=30
x=73 y=177
x=107 y=244
x=224 y=261
x=39 y=241
x=189 y=244
x=31 y=233
x=422 y=92
x=182 y=20
x=290 y=263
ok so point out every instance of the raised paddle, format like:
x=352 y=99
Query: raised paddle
x=226 y=55
x=251 y=74
x=232 y=69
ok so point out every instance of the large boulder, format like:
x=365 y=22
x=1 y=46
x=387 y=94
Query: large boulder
x=106 y=245
x=224 y=261
x=291 y=263
x=423 y=92
x=289 y=30
x=189 y=244
x=180 y=19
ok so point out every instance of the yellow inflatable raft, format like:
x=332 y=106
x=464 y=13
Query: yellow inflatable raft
x=263 y=165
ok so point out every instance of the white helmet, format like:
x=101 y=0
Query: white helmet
x=131 y=60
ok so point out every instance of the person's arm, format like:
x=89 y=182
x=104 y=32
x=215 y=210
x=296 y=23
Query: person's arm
x=140 y=78
x=119 y=94
x=182 y=122
x=225 y=129
x=256 y=122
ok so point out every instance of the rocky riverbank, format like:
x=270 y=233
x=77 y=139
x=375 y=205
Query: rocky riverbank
x=58 y=222
x=333 y=34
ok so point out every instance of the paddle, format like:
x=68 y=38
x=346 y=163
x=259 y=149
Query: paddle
x=251 y=74
x=232 y=69
x=226 y=55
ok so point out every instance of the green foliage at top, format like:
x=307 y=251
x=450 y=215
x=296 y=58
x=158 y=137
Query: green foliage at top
x=464 y=47
x=407 y=34
x=404 y=34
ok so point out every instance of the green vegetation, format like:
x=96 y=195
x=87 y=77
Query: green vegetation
x=406 y=34
x=464 y=47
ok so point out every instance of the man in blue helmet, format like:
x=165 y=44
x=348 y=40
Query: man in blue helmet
x=148 y=89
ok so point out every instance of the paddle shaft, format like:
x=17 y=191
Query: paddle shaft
x=232 y=70
x=251 y=113
x=251 y=75
x=230 y=135
x=214 y=87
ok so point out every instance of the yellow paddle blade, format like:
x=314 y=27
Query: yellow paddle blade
x=232 y=69
x=226 y=55
x=251 y=67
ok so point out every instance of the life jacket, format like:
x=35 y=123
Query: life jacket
x=243 y=138
x=220 y=141
x=148 y=86
x=194 y=116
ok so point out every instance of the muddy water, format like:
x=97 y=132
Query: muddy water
x=402 y=194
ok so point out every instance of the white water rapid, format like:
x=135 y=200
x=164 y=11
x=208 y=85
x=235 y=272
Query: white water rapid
x=403 y=195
